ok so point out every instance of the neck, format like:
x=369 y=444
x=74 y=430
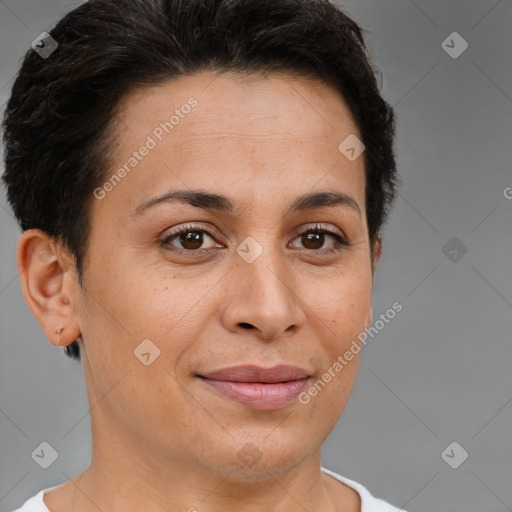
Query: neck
x=128 y=476
x=128 y=473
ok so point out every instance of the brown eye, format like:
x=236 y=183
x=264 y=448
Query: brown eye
x=188 y=238
x=314 y=239
x=191 y=240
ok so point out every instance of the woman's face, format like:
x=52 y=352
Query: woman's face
x=257 y=283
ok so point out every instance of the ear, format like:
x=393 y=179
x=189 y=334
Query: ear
x=376 y=252
x=49 y=284
x=369 y=318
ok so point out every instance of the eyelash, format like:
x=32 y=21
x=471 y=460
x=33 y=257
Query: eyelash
x=341 y=242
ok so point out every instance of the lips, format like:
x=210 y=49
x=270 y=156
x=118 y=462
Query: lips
x=280 y=373
x=256 y=387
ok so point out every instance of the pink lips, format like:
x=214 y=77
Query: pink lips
x=259 y=388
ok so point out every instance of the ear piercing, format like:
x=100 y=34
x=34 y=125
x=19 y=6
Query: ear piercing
x=59 y=331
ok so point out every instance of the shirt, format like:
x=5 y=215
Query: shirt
x=368 y=502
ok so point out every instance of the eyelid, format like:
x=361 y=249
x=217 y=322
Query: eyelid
x=190 y=226
x=341 y=240
x=213 y=232
x=322 y=227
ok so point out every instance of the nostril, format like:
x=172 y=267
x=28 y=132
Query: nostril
x=246 y=325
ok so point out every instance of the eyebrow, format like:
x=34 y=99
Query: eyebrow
x=220 y=203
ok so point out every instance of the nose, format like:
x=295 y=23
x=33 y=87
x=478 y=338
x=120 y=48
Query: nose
x=262 y=296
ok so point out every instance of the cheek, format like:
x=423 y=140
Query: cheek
x=341 y=305
x=123 y=309
x=137 y=315
x=340 y=312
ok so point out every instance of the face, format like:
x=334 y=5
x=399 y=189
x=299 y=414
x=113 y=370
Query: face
x=179 y=293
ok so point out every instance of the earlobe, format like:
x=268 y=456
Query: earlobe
x=47 y=285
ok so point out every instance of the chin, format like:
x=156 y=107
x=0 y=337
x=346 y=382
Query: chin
x=259 y=457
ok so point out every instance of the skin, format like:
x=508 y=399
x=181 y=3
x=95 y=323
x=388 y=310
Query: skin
x=162 y=439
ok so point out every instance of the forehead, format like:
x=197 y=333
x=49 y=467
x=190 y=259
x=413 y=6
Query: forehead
x=243 y=131
x=277 y=104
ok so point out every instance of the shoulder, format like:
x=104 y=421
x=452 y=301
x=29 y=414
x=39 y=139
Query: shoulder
x=36 y=503
x=368 y=502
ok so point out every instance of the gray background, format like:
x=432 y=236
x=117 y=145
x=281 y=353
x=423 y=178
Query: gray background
x=440 y=370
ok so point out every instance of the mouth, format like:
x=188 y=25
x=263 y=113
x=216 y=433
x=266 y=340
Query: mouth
x=257 y=387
